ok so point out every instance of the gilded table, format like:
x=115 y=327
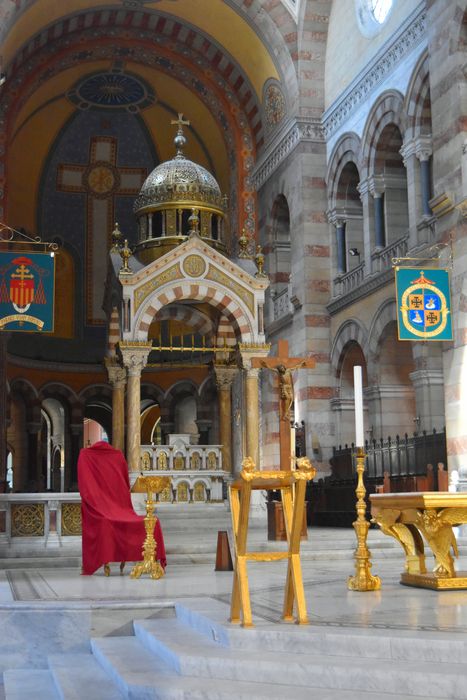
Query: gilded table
x=413 y=517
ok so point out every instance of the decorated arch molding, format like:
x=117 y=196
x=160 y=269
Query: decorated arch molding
x=193 y=290
x=389 y=109
x=417 y=91
x=352 y=331
x=195 y=319
x=193 y=272
x=346 y=150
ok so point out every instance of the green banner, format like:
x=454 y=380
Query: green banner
x=27 y=283
x=423 y=304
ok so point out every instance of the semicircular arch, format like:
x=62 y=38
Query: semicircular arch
x=351 y=330
x=226 y=301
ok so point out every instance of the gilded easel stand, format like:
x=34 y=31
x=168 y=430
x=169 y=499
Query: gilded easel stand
x=363 y=579
x=292 y=485
x=149 y=565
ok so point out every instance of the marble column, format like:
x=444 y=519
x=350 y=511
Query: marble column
x=341 y=247
x=252 y=414
x=416 y=153
x=117 y=380
x=363 y=188
x=380 y=238
x=224 y=377
x=134 y=358
x=413 y=188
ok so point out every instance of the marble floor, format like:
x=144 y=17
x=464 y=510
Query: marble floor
x=43 y=610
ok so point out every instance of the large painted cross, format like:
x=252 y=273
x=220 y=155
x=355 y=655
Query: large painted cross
x=284 y=366
x=101 y=180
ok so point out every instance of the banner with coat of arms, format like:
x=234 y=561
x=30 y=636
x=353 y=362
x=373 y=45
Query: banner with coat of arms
x=27 y=283
x=424 y=304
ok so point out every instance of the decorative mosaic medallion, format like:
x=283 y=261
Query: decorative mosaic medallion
x=194 y=266
x=101 y=179
x=274 y=105
x=112 y=90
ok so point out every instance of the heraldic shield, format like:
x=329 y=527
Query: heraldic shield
x=424 y=304
x=27 y=291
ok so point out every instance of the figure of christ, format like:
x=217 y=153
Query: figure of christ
x=284 y=366
x=286 y=389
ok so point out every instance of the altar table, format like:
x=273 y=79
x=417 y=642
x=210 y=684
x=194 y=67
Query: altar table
x=430 y=515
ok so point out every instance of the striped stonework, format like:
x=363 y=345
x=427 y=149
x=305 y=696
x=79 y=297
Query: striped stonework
x=350 y=332
x=214 y=295
x=197 y=321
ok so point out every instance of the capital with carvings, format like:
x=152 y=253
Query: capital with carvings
x=116 y=373
x=224 y=377
x=135 y=356
x=419 y=146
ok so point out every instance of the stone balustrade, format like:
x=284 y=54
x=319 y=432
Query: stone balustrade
x=350 y=280
x=381 y=260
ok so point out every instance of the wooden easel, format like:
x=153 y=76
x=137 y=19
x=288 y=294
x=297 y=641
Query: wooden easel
x=293 y=503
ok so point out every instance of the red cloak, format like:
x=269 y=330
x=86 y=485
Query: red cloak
x=112 y=531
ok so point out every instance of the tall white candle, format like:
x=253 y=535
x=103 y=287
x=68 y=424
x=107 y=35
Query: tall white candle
x=358 y=397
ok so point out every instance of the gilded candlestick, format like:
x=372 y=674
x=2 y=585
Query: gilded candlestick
x=363 y=580
x=149 y=565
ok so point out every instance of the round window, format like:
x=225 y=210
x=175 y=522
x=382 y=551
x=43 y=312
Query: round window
x=372 y=14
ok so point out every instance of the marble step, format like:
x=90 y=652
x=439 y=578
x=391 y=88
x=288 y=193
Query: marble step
x=209 y=617
x=192 y=654
x=141 y=676
x=81 y=677
x=22 y=684
x=140 y=680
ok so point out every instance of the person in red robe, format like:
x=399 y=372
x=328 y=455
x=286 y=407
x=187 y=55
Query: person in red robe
x=111 y=530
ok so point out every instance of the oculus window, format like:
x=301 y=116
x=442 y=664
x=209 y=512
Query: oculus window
x=372 y=15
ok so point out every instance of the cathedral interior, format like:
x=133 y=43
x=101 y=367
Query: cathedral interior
x=121 y=120
x=226 y=191
x=134 y=125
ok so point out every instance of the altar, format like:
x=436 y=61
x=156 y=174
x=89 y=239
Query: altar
x=413 y=517
x=196 y=471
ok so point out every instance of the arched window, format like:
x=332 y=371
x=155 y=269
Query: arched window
x=392 y=216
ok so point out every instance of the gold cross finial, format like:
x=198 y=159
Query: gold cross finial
x=180 y=121
x=180 y=139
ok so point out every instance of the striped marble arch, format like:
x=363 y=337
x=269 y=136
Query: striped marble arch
x=231 y=307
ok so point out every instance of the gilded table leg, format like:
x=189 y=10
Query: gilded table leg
x=408 y=537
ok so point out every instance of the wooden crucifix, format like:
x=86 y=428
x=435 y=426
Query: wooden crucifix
x=284 y=366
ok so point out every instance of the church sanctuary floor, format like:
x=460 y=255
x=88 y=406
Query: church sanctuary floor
x=45 y=611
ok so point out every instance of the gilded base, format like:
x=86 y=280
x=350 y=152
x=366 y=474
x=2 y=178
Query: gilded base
x=153 y=568
x=434 y=582
x=363 y=579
